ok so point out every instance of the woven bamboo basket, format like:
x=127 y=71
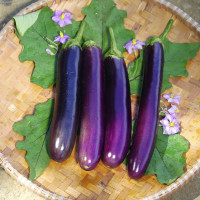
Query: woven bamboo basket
x=67 y=180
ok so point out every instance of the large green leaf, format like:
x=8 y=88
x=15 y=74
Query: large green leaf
x=35 y=128
x=176 y=56
x=35 y=42
x=99 y=16
x=167 y=161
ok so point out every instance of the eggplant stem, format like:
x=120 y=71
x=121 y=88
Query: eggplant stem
x=77 y=40
x=163 y=35
x=167 y=29
x=113 y=51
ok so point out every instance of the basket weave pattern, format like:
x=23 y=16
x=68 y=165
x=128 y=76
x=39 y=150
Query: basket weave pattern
x=68 y=180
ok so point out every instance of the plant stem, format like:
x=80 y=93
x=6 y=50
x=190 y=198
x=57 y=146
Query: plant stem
x=136 y=68
x=113 y=51
x=51 y=41
x=167 y=29
x=77 y=40
x=160 y=38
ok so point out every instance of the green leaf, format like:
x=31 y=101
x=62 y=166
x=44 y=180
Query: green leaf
x=24 y=22
x=99 y=16
x=135 y=75
x=176 y=57
x=167 y=161
x=35 y=41
x=35 y=128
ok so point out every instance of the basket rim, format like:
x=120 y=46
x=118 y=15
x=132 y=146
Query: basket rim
x=180 y=182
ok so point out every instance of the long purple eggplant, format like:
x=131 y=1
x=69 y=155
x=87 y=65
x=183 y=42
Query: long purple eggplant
x=67 y=100
x=117 y=107
x=92 y=111
x=147 y=122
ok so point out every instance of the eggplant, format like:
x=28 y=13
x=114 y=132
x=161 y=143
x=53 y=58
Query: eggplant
x=92 y=112
x=147 y=123
x=117 y=107
x=65 y=120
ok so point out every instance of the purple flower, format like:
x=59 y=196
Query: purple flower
x=62 y=18
x=174 y=111
x=170 y=125
x=62 y=38
x=133 y=45
x=172 y=98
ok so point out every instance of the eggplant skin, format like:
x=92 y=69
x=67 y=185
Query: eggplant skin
x=65 y=120
x=92 y=112
x=147 y=122
x=117 y=111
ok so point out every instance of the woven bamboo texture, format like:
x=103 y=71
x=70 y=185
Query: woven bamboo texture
x=68 y=180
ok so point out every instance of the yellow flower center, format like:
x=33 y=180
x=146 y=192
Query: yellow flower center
x=61 y=34
x=134 y=42
x=171 y=124
x=172 y=95
x=62 y=16
x=177 y=111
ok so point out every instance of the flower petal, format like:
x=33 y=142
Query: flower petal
x=67 y=21
x=177 y=97
x=137 y=46
x=173 y=110
x=67 y=15
x=64 y=39
x=61 y=23
x=164 y=122
x=176 y=100
x=167 y=96
x=57 y=39
x=56 y=19
x=174 y=130
x=166 y=130
x=58 y=13
x=140 y=42
x=169 y=117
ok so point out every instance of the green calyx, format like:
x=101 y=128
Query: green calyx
x=77 y=40
x=89 y=43
x=113 y=51
x=160 y=38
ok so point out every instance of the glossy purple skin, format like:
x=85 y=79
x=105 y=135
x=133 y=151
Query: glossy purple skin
x=118 y=112
x=92 y=115
x=147 y=123
x=66 y=109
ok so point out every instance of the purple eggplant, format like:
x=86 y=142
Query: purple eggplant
x=67 y=100
x=117 y=107
x=92 y=111
x=147 y=123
